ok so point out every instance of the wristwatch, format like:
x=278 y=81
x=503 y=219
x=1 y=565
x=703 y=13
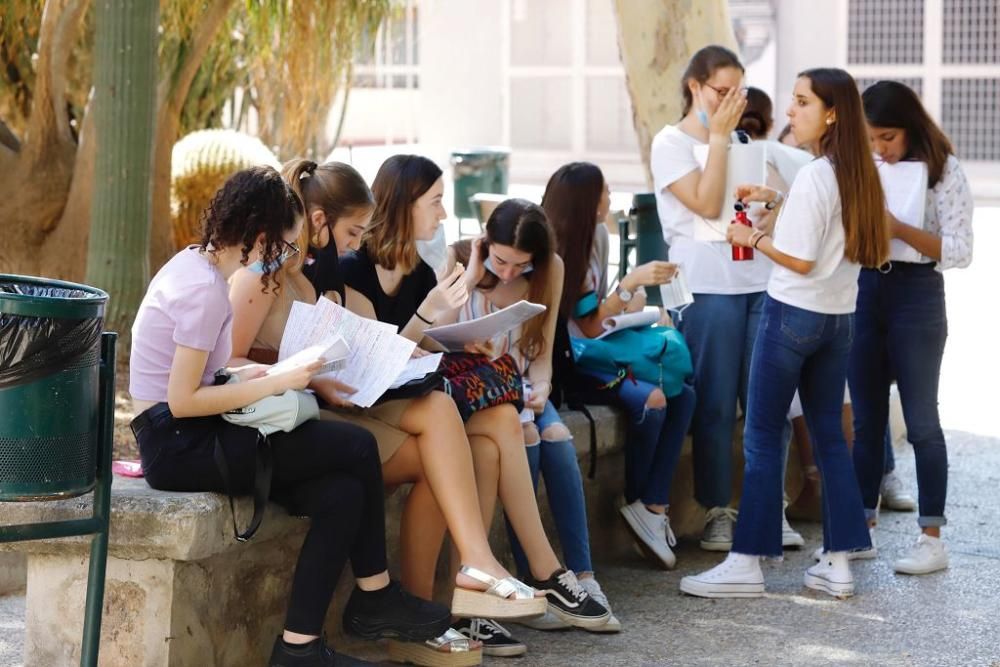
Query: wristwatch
x=624 y=294
x=776 y=202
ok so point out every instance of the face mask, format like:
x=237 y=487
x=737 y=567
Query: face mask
x=258 y=266
x=488 y=263
x=702 y=117
x=676 y=294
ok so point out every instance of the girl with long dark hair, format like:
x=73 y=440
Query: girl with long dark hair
x=576 y=202
x=831 y=224
x=901 y=322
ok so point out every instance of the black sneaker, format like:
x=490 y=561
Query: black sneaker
x=570 y=602
x=314 y=654
x=497 y=641
x=392 y=613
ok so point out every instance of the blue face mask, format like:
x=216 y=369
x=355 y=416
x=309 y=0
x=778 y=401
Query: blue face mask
x=488 y=263
x=702 y=117
x=258 y=266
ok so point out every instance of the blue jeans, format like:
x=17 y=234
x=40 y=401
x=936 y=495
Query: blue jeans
x=797 y=348
x=558 y=464
x=720 y=330
x=901 y=332
x=654 y=438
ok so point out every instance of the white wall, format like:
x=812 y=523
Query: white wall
x=806 y=37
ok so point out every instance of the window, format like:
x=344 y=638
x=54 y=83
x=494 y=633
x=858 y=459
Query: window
x=970 y=116
x=885 y=32
x=389 y=59
x=916 y=83
x=971 y=31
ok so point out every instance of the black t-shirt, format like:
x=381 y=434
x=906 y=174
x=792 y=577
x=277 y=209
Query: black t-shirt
x=359 y=274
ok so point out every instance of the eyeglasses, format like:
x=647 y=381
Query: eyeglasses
x=722 y=92
x=291 y=249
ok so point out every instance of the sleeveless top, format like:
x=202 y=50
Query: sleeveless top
x=478 y=306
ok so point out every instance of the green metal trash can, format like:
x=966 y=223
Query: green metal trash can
x=641 y=231
x=481 y=169
x=50 y=353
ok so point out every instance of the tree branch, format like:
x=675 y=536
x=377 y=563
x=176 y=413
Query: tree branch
x=49 y=121
x=175 y=90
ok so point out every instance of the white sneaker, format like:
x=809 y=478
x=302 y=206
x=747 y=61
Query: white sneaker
x=545 y=622
x=718 y=532
x=652 y=533
x=789 y=536
x=739 y=576
x=832 y=575
x=927 y=555
x=855 y=554
x=591 y=586
x=894 y=495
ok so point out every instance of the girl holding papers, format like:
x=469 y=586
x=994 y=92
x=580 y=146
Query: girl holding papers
x=576 y=201
x=830 y=225
x=386 y=280
x=901 y=321
x=181 y=336
x=516 y=260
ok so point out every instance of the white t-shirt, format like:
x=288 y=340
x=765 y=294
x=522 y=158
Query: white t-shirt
x=810 y=227
x=709 y=267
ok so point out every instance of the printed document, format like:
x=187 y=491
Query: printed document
x=416 y=368
x=333 y=351
x=638 y=320
x=453 y=337
x=377 y=353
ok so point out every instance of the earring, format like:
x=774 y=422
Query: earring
x=829 y=121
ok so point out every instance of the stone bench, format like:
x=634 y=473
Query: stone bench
x=181 y=591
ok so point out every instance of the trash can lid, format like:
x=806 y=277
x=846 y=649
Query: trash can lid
x=46 y=297
x=480 y=151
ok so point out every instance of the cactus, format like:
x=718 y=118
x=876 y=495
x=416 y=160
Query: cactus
x=201 y=163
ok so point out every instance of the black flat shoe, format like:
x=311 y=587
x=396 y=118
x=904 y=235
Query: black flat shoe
x=570 y=602
x=392 y=613
x=314 y=654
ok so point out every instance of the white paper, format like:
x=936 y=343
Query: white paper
x=643 y=318
x=905 y=187
x=746 y=164
x=453 y=337
x=416 y=368
x=377 y=353
x=334 y=351
x=676 y=294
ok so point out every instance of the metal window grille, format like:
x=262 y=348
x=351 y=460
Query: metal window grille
x=970 y=115
x=916 y=83
x=971 y=32
x=885 y=32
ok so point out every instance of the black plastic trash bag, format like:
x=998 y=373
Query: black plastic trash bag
x=35 y=347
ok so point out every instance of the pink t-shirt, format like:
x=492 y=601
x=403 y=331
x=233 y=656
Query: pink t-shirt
x=187 y=304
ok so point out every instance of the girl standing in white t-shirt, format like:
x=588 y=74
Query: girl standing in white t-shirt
x=721 y=323
x=832 y=223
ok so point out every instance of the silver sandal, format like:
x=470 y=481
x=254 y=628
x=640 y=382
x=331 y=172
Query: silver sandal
x=504 y=598
x=452 y=649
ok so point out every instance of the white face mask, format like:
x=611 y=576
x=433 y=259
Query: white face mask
x=676 y=294
x=488 y=263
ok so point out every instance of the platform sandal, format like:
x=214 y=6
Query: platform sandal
x=452 y=649
x=504 y=598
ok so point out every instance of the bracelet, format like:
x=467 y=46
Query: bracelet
x=776 y=202
x=756 y=242
x=422 y=318
x=754 y=237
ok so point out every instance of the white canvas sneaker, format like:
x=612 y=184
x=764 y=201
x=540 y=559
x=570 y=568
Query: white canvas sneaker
x=789 y=536
x=652 y=533
x=856 y=554
x=894 y=495
x=927 y=555
x=718 y=532
x=739 y=576
x=832 y=575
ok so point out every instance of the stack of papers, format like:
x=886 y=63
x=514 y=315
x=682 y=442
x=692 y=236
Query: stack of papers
x=454 y=337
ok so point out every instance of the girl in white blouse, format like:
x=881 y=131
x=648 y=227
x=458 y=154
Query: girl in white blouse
x=901 y=320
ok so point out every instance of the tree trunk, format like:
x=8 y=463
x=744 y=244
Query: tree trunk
x=656 y=38
x=124 y=98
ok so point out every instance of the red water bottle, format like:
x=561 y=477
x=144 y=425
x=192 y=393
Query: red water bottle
x=739 y=252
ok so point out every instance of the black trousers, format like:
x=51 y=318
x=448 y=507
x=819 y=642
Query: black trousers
x=328 y=471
